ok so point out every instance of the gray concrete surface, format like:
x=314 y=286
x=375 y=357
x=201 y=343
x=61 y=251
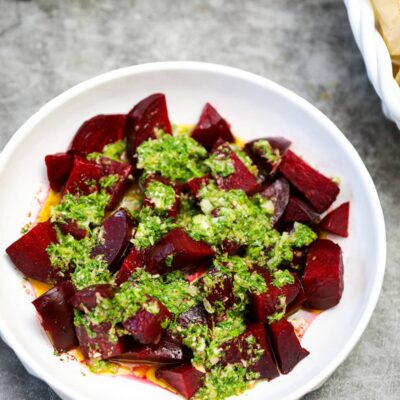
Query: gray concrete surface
x=46 y=46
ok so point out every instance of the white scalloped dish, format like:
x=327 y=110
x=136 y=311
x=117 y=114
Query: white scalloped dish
x=376 y=56
x=255 y=107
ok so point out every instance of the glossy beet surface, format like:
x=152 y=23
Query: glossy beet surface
x=278 y=192
x=195 y=315
x=187 y=254
x=166 y=351
x=132 y=262
x=298 y=210
x=29 y=254
x=117 y=234
x=194 y=185
x=286 y=345
x=273 y=300
x=97 y=132
x=211 y=127
x=145 y=326
x=149 y=114
x=243 y=349
x=186 y=379
x=58 y=169
x=98 y=344
x=220 y=292
x=337 y=221
x=72 y=228
x=57 y=317
x=241 y=178
x=117 y=190
x=84 y=177
x=323 y=275
x=319 y=190
x=279 y=146
x=88 y=298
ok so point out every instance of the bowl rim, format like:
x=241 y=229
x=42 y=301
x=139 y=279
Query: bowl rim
x=34 y=367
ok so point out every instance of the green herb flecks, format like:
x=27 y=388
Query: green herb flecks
x=267 y=151
x=162 y=196
x=176 y=157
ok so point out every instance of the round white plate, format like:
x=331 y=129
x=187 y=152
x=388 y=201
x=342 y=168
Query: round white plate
x=255 y=107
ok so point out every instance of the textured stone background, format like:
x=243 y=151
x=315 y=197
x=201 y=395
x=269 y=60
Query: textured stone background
x=46 y=46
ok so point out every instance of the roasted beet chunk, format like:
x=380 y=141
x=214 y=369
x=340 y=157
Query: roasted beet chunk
x=219 y=291
x=194 y=185
x=132 y=262
x=323 y=275
x=266 y=153
x=146 y=325
x=99 y=344
x=337 y=221
x=58 y=169
x=117 y=233
x=287 y=348
x=274 y=299
x=278 y=192
x=298 y=210
x=185 y=378
x=97 y=132
x=149 y=114
x=240 y=177
x=57 y=317
x=71 y=227
x=88 y=298
x=165 y=352
x=29 y=254
x=117 y=189
x=319 y=190
x=162 y=195
x=177 y=250
x=211 y=127
x=253 y=350
x=84 y=178
x=195 y=315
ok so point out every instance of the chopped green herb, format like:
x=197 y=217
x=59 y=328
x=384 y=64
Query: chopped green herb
x=162 y=196
x=267 y=151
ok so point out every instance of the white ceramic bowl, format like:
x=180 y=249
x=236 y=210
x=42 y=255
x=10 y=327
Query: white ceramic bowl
x=376 y=56
x=255 y=107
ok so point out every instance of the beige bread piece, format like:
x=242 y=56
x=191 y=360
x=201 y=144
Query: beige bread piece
x=388 y=15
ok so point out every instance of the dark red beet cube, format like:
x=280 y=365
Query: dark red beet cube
x=57 y=317
x=58 y=169
x=97 y=132
x=194 y=185
x=323 y=275
x=337 y=221
x=298 y=210
x=243 y=349
x=273 y=300
x=118 y=189
x=319 y=190
x=71 y=227
x=149 y=114
x=147 y=202
x=117 y=234
x=187 y=254
x=287 y=348
x=300 y=299
x=84 y=177
x=231 y=248
x=88 y=298
x=221 y=292
x=29 y=254
x=185 y=378
x=167 y=351
x=211 y=127
x=241 y=178
x=132 y=262
x=195 y=315
x=145 y=326
x=101 y=345
x=278 y=192
x=278 y=144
